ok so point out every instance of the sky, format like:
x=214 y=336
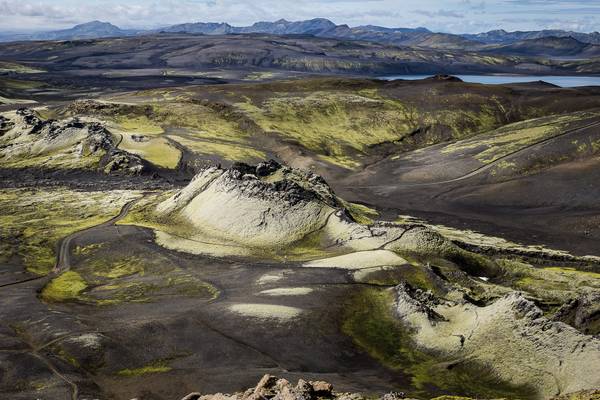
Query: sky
x=455 y=16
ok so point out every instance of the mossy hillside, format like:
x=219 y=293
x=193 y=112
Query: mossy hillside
x=37 y=219
x=333 y=125
x=60 y=159
x=171 y=114
x=551 y=285
x=513 y=137
x=156 y=150
x=231 y=151
x=369 y=321
x=340 y=121
x=360 y=213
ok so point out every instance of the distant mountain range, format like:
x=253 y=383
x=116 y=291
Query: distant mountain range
x=547 y=42
x=504 y=37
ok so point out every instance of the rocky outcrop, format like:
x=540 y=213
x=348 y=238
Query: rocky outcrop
x=264 y=206
x=69 y=143
x=121 y=161
x=273 y=388
x=5 y=125
x=582 y=313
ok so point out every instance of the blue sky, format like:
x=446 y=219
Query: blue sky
x=457 y=16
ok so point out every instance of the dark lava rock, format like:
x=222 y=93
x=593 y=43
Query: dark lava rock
x=267 y=168
x=117 y=160
x=582 y=313
x=445 y=78
x=5 y=125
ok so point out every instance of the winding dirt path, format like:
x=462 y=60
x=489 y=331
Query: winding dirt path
x=63 y=257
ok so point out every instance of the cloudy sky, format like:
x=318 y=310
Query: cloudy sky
x=457 y=16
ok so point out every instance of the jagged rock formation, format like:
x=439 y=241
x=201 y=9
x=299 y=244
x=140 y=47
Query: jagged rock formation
x=582 y=313
x=559 y=359
x=273 y=388
x=68 y=143
x=264 y=206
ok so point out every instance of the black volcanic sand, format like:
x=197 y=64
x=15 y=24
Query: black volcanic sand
x=208 y=347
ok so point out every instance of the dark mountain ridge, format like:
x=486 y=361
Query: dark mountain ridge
x=547 y=42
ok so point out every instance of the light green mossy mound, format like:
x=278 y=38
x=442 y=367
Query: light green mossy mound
x=370 y=321
x=237 y=206
x=67 y=286
x=156 y=150
x=274 y=212
x=510 y=336
x=28 y=140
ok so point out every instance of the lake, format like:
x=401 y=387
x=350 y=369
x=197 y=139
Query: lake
x=563 y=81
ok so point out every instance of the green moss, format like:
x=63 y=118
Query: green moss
x=155 y=367
x=35 y=220
x=139 y=124
x=361 y=213
x=158 y=151
x=335 y=125
x=228 y=150
x=66 y=287
x=551 y=285
x=369 y=321
x=117 y=268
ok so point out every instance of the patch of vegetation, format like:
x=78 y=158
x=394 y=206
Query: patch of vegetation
x=156 y=150
x=105 y=277
x=139 y=124
x=369 y=321
x=156 y=367
x=227 y=150
x=335 y=125
x=361 y=213
x=554 y=285
x=6 y=66
x=118 y=268
x=36 y=219
x=67 y=286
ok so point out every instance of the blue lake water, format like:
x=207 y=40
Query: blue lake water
x=563 y=81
